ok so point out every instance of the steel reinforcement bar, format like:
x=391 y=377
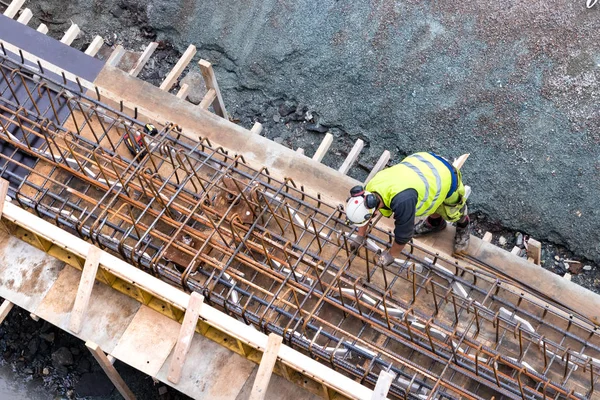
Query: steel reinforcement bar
x=277 y=257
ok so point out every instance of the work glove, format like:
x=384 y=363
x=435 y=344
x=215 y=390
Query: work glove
x=384 y=259
x=355 y=242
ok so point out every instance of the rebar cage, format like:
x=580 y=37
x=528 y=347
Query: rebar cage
x=268 y=252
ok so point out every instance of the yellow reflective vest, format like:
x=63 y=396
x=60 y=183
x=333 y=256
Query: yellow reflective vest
x=422 y=172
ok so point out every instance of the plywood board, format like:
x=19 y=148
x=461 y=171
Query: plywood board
x=279 y=389
x=27 y=273
x=108 y=314
x=148 y=341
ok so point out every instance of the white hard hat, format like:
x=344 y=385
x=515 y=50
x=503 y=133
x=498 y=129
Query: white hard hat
x=357 y=212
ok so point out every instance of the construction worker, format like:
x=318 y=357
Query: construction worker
x=423 y=184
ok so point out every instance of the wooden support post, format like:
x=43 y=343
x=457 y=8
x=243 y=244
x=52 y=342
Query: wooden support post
x=5 y=308
x=300 y=150
x=70 y=35
x=382 y=387
x=25 y=16
x=110 y=371
x=265 y=369
x=323 y=147
x=13 y=8
x=211 y=83
x=183 y=91
x=42 y=29
x=381 y=163
x=186 y=334
x=534 y=250
x=516 y=250
x=139 y=65
x=111 y=359
x=183 y=62
x=84 y=292
x=256 y=128
x=3 y=193
x=458 y=163
x=208 y=99
x=352 y=156
x=93 y=48
x=487 y=237
x=34 y=317
x=115 y=56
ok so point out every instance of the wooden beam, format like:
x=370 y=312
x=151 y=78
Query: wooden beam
x=5 y=308
x=487 y=237
x=186 y=334
x=3 y=193
x=211 y=83
x=25 y=16
x=42 y=29
x=208 y=99
x=183 y=62
x=534 y=250
x=110 y=371
x=382 y=387
x=96 y=44
x=458 y=163
x=70 y=35
x=115 y=56
x=183 y=91
x=516 y=250
x=13 y=8
x=352 y=156
x=139 y=65
x=323 y=147
x=84 y=292
x=381 y=163
x=256 y=128
x=265 y=369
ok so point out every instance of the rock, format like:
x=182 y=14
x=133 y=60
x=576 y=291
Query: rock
x=94 y=384
x=32 y=346
x=162 y=390
x=276 y=117
x=557 y=257
x=587 y=267
x=519 y=239
x=116 y=12
x=502 y=240
x=278 y=140
x=575 y=267
x=286 y=109
x=317 y=128
x=28 y=371
x=74 y=350
x=62 y=357
x=83 y=365
x=197 y=87
x=45 y=371
x=48 y=337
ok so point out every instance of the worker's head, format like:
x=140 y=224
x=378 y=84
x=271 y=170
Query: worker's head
x=360 y=206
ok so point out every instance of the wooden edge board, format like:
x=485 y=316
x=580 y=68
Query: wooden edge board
x=265 y=369
x=110 y=370
x=70 y=35
x=382 y=387
x=115 y=57
x=42 y=28
x=381 y=163
x=208 y=99
x=460 y=161
x=177 y=70
x=13 y=8
x=210 y=80
x=25 y=16
x=534 y=251
x=183 y=91
x=186 y=334
x=96 y=44
x=176 y=297
x=5 y=308
x=323 y=147
x=84 y=291
x=256 y=128
x=139 y=65
x=352 y=156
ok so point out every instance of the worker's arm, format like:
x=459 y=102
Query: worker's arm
x=404 y=206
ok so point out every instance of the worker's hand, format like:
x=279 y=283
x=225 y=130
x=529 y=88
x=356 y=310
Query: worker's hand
x=385 y=259
x=355 y=242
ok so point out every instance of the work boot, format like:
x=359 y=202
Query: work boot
x=426 y=226
x=461 y=238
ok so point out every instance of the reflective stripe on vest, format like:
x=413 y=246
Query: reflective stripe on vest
x=424 y=173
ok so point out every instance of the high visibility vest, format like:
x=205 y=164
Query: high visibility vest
x=424 y=173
